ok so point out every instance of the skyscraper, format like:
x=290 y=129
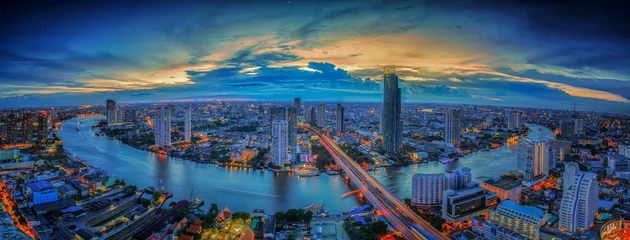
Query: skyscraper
x=452 y=127
x=533 y=158
x=12 y=128
x=567 y=128
x=27 y=127
x=292 y=117
x=162 y=129
x=297 y=104
x=580 y=194
x=515 y=119
x=52 y=118
x=111 y=112
x=391 y=120
x=321 y=115
x=275 y=114
x=42 y=127
x=340 y=124
x=187 y=123
x=279 y=142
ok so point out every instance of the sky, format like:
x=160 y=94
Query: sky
x=513 y=53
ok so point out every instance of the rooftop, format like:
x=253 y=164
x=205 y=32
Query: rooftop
x=527 y=210
x=505 y=184
x=40 y=185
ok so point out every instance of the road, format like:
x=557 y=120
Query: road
x=394 y=210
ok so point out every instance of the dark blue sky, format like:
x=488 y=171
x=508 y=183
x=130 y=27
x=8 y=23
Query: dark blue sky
x=539 y=53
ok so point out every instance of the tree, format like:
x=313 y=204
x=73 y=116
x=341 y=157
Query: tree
x=156 y=195
x=292 y=235
x=244 y=216
x=377 y=228
x=280 y=216
x=122 y=182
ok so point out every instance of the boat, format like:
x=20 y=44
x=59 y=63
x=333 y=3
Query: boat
x=332 y=172
x=315 y=206
x=446 y=160
x=306 y=173
x=196 y=202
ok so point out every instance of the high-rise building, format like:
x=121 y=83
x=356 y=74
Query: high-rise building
x=261 y=109
x=464 y=204
x=292 y=115
x=452 y=127
x=578 y=125
x=27 y=127
x=111 y=112
x=279 y=142
x=120 y=115
x=427 y=189
x=515 y=119
x=567 y=129
x=321 y=115
x=524 y=220
x=12 y=128
x=187 y=123
x=162 y=128
x=580 y=194
x=533 y=158
x=276 y=114
x=42 y=127
x=340 y=123
x=52 y=118
x=391 y=120
x=297 y=104
x=131 y=115
x=489 y=121
x=459 y=178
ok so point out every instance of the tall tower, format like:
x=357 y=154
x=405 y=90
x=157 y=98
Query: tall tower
x=580 y=194
x=533 y=157
x=187 y=123
x=279 y=142
x=162 y=129
x=292 y=117
x=340 y=124
x=52 y=118
x=275 y=114
x=27 y=127
x=42 y=127
x=297 y=104
x=515 y=119
x=321 y=115
x=12 y=128
x=452 y=127
x=111 y=112
x=392 y=122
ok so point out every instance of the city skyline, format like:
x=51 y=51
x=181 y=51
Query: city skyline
x=456 y=52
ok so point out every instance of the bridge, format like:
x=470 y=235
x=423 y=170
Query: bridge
x=403 y=219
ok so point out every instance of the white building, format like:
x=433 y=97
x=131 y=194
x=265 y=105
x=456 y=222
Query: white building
x=427 y=189
x=280 y=142
x=533 y=158
x=187 y=123
x=515 y=120
x=162 y=128
x=452 y=127
x=580 y=192
x=524 y=220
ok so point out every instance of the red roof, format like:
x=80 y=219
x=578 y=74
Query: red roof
x=197 y=222
x=186 y=237
x=194 y=229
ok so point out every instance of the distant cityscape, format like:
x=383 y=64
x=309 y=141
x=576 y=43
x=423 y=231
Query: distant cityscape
x=566 y=177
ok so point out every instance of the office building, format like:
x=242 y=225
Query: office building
x=524 y=220
x=312 y=115
x=488 y=230
x=120 y=115
x=52 y=118
x=464 y=204
x=111 y=112
x=515 y=120
x=131 y=115
x=558 y=150
x=297 y=104
x=277 y=114
x=27 y=127
x=452 y=127
x=391 y=120
x=578 y=126
x=427 y=189
x=340 y=124
x=580 y=194
x=187 y=123
x=41 y=192
x=533 y=158
x=12 y=123
x=567 y=129
x=292 y=115
x=279 y=142
x=504 y=188
x=42 y=127
x=321 y=115
x=162 y=128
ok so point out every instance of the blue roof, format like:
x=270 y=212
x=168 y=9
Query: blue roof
x=527 y=210
x=361 y=209
x=38 y=186
x=360 y=219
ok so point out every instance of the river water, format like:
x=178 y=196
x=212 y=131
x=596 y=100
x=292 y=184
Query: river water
x=243 y=189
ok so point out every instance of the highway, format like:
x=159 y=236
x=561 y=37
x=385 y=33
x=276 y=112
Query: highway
x=394 y=210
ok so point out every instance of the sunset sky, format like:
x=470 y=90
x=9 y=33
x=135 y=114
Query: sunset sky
x=540 y=54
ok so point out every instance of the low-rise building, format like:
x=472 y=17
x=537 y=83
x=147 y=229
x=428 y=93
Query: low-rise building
x=524 y=220
x=42 y=192
x=505 y=189
x=464 y=204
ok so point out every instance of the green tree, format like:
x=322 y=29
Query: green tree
x=243 y=216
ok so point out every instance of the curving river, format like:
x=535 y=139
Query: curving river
x=243 y=189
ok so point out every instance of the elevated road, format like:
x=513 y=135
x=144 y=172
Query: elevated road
x=410 y=225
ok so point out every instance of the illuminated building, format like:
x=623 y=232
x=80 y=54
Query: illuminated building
x=279 y=142
x=162 y=128
x=111 y=112
x=340 y=124
x=533 y=158
x=42 y=127
x=27 y=127
x=580 y=194
x=452 y=127
x=321 y=115
x=427 y=189
x=459 y=178
x=615 y=229
x=559 y=150
x=489 y=121
x=464 y=204
x=42 y=192
x=187 y=123
x=505 y=189
x=52 y=118
x=309 y=115
x=11 y=128
x=524 y=220
x=277 y=114
x=390 y=117
x=567 y=129
x=515 y=120
x=292 y=119
x=489 y=230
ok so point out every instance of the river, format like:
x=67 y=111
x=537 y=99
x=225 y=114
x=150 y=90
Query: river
x=243 y=189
